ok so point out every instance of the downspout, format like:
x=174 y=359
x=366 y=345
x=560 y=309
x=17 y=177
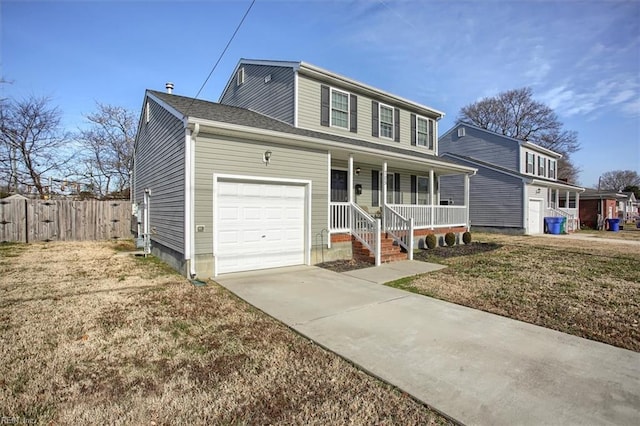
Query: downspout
x=190 y=142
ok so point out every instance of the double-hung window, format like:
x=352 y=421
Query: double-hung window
x=339 y=109
x=422 y=190
x=531 y=160
x=386 y=121
x=422 y=132
x=552 y=169
x=541 y=166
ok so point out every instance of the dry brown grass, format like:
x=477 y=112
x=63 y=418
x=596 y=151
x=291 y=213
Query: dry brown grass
x=629 y=232
x=92 y=336
x=586 y=288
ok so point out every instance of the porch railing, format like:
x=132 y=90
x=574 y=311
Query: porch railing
x=340 y=217
x=348 y=217
x=367 y=230
x=570 y=214
x=426 y=216
x=400 y=228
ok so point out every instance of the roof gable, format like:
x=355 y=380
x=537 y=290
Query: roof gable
x=520 y=142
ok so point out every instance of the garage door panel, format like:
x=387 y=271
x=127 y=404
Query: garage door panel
x=259 y=226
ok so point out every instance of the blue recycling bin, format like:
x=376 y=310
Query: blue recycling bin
x=614 y=224
x=554 y=224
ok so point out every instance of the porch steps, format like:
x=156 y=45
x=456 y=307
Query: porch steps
x=389 y=252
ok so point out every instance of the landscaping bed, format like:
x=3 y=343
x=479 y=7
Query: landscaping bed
x=93 y=335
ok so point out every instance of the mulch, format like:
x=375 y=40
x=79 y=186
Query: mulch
x=423 y=255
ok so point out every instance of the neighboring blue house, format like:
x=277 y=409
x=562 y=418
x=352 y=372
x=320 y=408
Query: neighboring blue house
x=516 y=185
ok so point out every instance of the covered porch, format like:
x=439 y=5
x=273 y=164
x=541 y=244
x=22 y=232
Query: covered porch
x=564 y=201
x=399 y=197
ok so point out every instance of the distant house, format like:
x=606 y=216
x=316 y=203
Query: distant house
x=628 y=209
x=596 y=206
x=294 y=165
x=516 y=185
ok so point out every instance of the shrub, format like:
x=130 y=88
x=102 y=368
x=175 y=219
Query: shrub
x=431 y=241
x=466 y=237
x=450 y=238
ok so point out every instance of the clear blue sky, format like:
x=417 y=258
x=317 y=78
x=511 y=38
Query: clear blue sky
x=582 y=58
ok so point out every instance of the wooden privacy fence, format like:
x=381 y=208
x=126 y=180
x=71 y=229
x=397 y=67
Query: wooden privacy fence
x=62 y=220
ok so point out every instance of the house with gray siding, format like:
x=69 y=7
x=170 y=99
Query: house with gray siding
x=294 y=165
x=516 y=185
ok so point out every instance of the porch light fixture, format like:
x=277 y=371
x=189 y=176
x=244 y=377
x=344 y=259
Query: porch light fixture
x=538 y=191
x=357 y=170
x=266 y=157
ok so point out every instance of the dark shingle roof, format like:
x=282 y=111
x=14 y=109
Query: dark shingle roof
x=213 y=111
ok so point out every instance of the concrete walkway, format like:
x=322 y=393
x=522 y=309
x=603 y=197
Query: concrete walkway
x=476 y=368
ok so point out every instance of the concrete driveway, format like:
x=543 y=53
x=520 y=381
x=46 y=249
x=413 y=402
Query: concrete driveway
x=472 y=366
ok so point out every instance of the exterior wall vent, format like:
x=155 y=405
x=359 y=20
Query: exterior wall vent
x=267 y=79
x=240 y=78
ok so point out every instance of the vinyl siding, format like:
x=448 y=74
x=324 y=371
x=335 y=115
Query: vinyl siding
x=482 y=146
x=159 y=165
x=274 y=98
x=309 y=116
x=242 y=157
x=495 y=199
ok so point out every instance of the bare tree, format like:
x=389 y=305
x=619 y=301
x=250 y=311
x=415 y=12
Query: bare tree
x=618 y=180
x=107 y=147
x=514 y=113
x=32 y=144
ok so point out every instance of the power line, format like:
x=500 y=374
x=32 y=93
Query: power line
x=221 y=54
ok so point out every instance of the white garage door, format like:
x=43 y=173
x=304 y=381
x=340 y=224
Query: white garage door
x=535 y=217
x=259 y=226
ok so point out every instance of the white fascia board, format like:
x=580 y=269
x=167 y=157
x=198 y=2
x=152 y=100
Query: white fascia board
x=540 y=149
x=315 y=71
x=215 y=127
x=557 y=185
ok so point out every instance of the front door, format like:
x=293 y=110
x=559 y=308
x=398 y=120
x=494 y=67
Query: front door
x=339 y=192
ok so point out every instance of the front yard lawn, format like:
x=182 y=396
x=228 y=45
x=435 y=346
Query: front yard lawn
x=589 y=289
x=92 y=336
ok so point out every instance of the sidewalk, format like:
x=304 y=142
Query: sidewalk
x=472 y=366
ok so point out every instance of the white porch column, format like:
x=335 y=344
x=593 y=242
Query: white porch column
x=384 y=184
x=466 y=198
x=431 y=187
x=577 y=211
x=350 y=179
x=431 y=198
x=566 y=205
x=557 y=200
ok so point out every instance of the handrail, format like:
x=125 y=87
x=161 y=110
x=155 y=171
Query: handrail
x=366 y=229
x=400 y=228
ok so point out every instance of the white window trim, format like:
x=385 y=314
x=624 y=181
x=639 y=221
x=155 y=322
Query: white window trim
x=393 y=118
x=526 y=167
x=544 y=166
x=420 y=117
x=552 y=163
x=331 y=91
x=418 y=192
